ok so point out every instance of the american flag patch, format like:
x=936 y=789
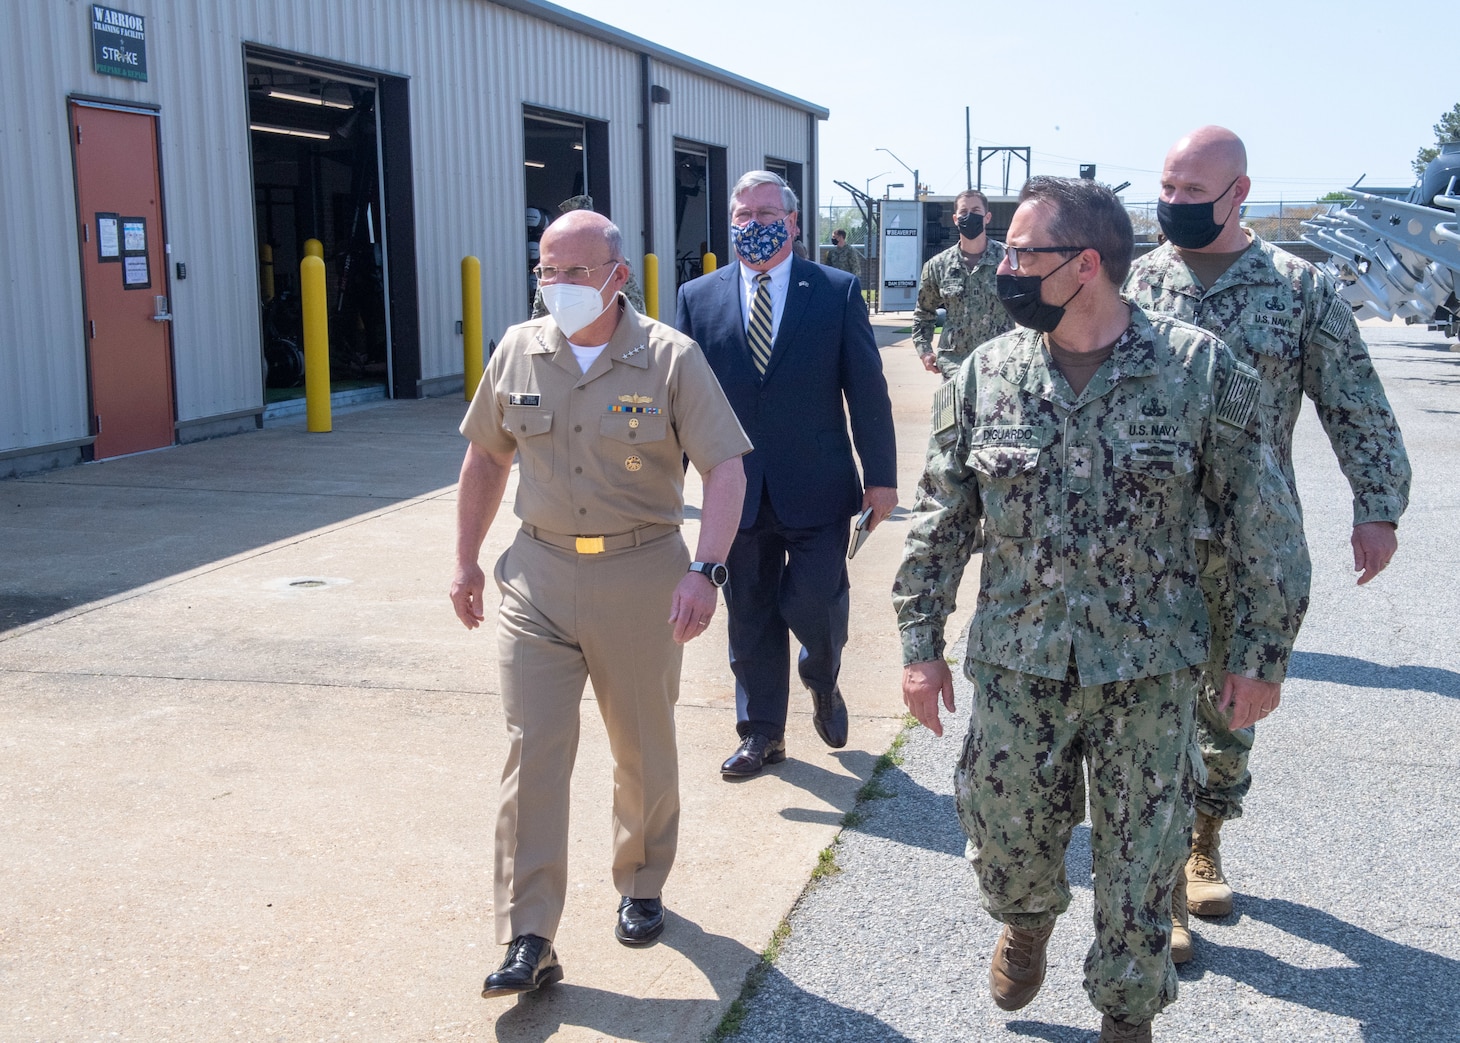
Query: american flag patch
x=1336 y=320
x=1239 y=402
x=945 y=407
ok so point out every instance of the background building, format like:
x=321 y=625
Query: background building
x=163 y=164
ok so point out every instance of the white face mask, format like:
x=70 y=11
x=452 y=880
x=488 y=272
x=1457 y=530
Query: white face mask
x=572 y=306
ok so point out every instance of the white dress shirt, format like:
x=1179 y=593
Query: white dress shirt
x=780 y=282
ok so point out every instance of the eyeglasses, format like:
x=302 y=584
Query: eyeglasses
x=765 y=215
x=575 y=273
x=1013 y=252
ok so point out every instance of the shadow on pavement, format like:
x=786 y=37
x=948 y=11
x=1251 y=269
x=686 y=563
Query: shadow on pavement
x=538 y=1017
x=1049 y=1032
x=1360 y=673
x=1395 y=993
x=84 y=533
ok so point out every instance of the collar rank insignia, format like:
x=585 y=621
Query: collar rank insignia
x=635 y=351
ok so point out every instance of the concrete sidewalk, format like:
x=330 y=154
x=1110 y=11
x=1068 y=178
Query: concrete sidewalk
x=249 y=765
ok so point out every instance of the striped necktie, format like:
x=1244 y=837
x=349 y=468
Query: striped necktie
x=760 y=323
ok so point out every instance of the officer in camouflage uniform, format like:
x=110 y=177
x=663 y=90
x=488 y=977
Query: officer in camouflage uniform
x=1281 y=316
x=1086 y=455
x=961 y=280
x=631 y=290
x=843 y=256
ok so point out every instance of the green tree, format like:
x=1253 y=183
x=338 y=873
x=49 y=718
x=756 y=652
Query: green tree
x=1448 y=129
x=1335 y=197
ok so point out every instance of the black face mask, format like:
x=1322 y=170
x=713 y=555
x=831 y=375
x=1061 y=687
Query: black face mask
x=1020 y=296
x=970 y=226
x=1192 y=226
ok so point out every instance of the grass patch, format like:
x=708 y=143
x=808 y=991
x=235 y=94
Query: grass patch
x=826 y=867
x=735 y=1015
x=826 y=864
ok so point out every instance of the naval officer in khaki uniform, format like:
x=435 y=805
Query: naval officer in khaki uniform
x=600 y=405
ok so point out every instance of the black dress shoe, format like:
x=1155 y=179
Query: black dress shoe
x=831 y=718
x=640 y=920
x=755 y=752
x=530 y=964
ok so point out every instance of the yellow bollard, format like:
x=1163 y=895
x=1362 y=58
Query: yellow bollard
x=266 y=266
x=471 y=323
x=708 y=263
x=651 y=285
x=316 y=344
x=314 y=248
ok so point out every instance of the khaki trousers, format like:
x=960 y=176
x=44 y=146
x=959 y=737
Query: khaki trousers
x=566 y=617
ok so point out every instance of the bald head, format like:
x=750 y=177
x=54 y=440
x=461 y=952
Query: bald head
x=583 y=230
x=1215 y=149
x=1207 y=166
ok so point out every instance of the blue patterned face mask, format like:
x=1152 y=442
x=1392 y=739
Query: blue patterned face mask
x=756 y=243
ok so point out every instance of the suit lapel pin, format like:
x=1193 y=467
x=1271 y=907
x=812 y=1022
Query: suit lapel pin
x=803 y=282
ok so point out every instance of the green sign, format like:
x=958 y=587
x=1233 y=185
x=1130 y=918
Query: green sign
x=118 y=43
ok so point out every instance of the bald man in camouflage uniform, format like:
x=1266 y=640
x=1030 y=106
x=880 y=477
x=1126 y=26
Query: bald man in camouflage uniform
x=1090 y=630
x=960 y=280
x=1281 y=316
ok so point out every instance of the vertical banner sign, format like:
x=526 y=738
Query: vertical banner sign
x=118 y=43
x=902 y=254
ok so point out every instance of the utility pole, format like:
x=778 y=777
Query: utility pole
x=967 y=150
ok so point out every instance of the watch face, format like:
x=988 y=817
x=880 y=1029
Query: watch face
x=715 y=572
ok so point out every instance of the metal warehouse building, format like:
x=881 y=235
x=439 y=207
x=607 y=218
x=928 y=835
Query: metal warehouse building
x=162 y=166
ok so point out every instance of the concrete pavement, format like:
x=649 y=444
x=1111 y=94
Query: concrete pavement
x=250 y=759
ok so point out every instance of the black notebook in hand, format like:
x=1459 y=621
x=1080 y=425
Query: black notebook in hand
x=860 y=532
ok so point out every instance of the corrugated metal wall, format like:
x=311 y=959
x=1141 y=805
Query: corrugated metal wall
x=748 y=127
x=472 y=66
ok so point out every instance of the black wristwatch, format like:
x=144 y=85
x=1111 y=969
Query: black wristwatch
x=713 y=571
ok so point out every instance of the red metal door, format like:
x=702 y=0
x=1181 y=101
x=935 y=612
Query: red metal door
x=123 y=269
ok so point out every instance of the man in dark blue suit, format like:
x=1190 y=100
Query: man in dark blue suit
x=794 y=352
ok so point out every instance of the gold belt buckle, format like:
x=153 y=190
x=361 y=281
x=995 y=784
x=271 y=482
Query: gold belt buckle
x=590 y=544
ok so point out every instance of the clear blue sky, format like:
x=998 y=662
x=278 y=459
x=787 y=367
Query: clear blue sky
x=1321 y=93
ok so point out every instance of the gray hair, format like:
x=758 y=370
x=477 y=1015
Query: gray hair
x=615 y=241
x=764 y=177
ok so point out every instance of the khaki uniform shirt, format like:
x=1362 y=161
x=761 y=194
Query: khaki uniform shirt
x=970 y=296
x=601 y=452
x=1286 y=320
x=1088 y=503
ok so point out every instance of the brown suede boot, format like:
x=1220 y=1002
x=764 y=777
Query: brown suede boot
x=1017 y=969
x=1180 y=923
x=1113 y=1031
x=1207 y=891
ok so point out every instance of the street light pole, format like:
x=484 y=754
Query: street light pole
x=917 y=184
x=868 y=190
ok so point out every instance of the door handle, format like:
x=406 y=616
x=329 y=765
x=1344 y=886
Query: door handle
x=160 y=312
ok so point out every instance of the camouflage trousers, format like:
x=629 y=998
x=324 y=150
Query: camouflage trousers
x=1224 y=752
x=1020 y=789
